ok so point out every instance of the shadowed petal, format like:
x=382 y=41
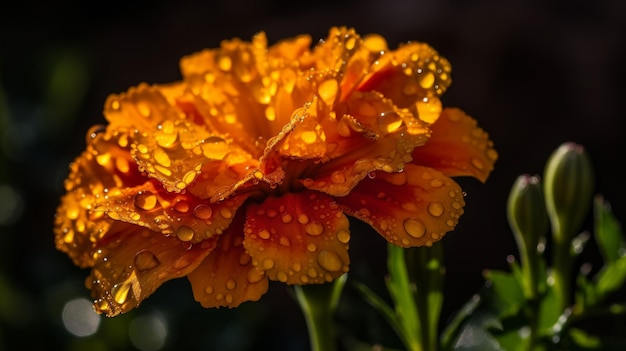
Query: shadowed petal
x=414 y=208
x=458 y=147
x=298 y=238
x=227 y=277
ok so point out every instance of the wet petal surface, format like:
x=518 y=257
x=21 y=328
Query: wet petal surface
x=131 y=262
x=414 y=208
x=298 y=238
x=227 y=278
x=458 y=147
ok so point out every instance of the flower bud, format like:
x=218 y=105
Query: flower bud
x=526 y=211
x=568 y=181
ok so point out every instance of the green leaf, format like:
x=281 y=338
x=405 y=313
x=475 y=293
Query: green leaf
x=608 y=233
x=382 y=307
x=611 y=277
x=585 y=341
x=508 y=295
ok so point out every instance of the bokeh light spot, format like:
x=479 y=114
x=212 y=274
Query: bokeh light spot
x=79 y=318
x=148 y=332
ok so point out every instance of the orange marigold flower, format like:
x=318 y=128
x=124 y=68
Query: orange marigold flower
x=246 y=169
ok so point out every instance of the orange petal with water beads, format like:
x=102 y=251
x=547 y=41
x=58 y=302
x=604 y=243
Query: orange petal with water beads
x=416 y=207
x=458 y=147
x=131 y=262
x=373 y=135
x=227 y=277
x=298 y=238
x=104 y=165
x=411 y=73
x=184 y=216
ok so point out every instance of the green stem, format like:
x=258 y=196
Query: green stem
x=318 y=303
x=562 y=273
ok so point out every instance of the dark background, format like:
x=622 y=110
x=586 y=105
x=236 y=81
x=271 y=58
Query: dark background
x=534 y=74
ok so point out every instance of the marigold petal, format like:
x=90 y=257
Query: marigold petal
x=184 y=216
x=373 y=135
x=458 y=147
x=410 y=74
x=131 y=262
x=416 y=207
x=298 y=238
x=227 y=277
x=105 y=165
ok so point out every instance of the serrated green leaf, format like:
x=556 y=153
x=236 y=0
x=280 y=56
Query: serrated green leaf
x=608 y=233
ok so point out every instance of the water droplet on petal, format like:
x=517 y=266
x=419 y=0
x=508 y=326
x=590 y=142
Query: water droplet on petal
x=145 y=200
x=414 y=227
x=264 y=234
x=208 y=289
x=254 y=275
x=435 y=208
x=268 y=263
x=145 y=260
x=436 y=183
x=203 y=211
x=286 y=218
x=282 y=276
x=303 y=218
x=327 y=90
x=231 y=284
x=226 y=212
x=329 y=260
x=343 y=236
x=185 y=233
x=314 y=228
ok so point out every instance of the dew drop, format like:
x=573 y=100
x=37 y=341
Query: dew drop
x=145 y=260
x=427 y=80
x=203 y=211
x=181 y=206
x=161 y=157
x=327 y=90
x=343 y=236
x=264 y=234
x=208 y=289
x=270 y=113
x=145 y=200
x=228 y=298
x=286 y=218
x=181 y=262
x=254 y=275
x=329 y=260
x=314 y=228
x=311 y=247
x=231 y=284
x=282 y=276
x=338 y=177
x=268 y=263
x=450 y=223
x=303 y=218
x=226 y=212
x=284 y=241
x=435 y=208
x=414 y=227
x=309 y=137
x=185 y=233
x=436 y=183
x=492 y=154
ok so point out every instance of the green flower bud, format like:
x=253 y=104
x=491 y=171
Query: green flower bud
x=568 y=181
x=528 y=219
x=526 y=211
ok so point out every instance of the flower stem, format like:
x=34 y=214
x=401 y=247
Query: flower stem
x=318 y=303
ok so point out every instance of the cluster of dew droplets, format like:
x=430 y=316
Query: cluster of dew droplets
x=315 y=252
